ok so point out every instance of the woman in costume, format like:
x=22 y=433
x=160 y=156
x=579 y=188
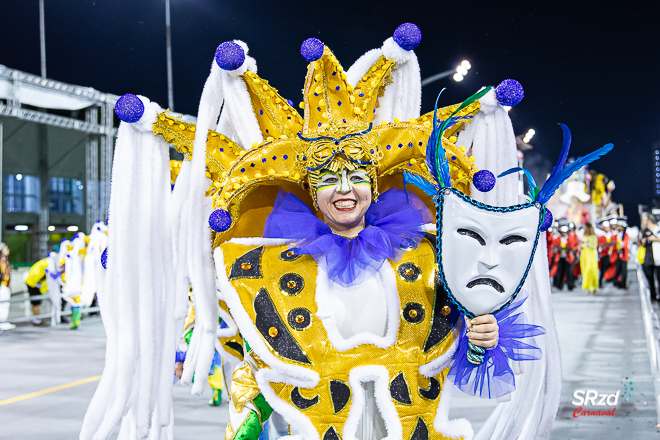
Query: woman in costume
x=329 y=369
x=589 y=260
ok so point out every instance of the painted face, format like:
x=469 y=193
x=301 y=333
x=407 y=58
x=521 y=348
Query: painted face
x=343 y=197
x=485 y=254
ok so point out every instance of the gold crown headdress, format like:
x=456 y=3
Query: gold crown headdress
x=340 y=128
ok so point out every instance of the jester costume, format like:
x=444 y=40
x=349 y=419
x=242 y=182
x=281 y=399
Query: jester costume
x=341 y=337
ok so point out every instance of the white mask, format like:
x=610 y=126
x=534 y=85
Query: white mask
x=485 y=251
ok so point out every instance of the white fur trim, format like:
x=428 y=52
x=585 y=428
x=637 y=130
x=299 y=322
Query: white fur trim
x=362 y=66
x=429 y=227
x=230 y=330
x=396 y=53
x=438 y=364
x=494 y=147
x=292 y=415
x=381 y=378
x=286 y=373
x=146 y=121
x=198 y=243
x=456 y=428
x=387 y=281
x=137 y=303
x=403 y=98
x=258 y=241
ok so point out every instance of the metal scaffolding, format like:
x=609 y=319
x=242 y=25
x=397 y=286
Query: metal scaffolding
x=42 y=96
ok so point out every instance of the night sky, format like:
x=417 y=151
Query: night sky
x=590 y=65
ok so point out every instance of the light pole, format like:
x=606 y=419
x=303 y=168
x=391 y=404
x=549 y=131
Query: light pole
x=458 y=73
x=168 y=31
x=42 y=37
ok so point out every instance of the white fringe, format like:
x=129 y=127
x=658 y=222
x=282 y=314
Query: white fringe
x=137 y=304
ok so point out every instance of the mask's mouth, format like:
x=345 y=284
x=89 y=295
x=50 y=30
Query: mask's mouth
x=486 y=281
x=345 y=204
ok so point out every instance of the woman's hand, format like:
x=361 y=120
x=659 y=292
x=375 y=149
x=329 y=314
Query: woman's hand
x=483 y=331
x=178 y=369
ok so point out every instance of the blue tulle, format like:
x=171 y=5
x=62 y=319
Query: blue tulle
x=494 y=377
x=393 y=226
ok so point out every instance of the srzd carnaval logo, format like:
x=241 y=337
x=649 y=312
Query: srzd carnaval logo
x=593 y=398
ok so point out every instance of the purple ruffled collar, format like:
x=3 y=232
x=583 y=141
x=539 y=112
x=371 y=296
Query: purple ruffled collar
x=394 y=225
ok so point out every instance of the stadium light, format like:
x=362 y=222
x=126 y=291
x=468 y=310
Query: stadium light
x=462 y=70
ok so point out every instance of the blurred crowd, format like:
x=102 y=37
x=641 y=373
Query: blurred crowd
x=71 y=275
x=597 y=253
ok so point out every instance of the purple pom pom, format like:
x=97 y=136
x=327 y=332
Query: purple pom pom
x=104 y=259
x=129 y=108
x=229 y=56
x=483 y=180
x=312 y=49
x=220 y=220
x=547 y=221
x=510 y=92
x=408 y=36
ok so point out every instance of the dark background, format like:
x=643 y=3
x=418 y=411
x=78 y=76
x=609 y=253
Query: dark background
x=590 y=65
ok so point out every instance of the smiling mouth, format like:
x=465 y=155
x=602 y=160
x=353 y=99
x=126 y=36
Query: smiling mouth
x=486 y=281
x=344 y=204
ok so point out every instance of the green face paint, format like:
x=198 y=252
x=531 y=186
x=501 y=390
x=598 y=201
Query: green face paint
x=343 y=181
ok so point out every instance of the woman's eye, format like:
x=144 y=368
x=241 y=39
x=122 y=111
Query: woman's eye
x=513 y=239
x=357 y=179
x=472 y=234
x=330 y=180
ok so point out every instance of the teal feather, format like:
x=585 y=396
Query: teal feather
x=420 y=183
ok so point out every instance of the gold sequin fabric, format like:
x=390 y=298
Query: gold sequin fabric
x=283 y=298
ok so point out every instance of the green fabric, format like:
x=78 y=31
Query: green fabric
x=188 y=336
x=247 y=346
x=75 y=317
x=263 y=407
x=216 y=400
x=251 y=428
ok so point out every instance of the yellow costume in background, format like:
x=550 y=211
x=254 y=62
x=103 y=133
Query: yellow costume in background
x=37 y=276
x=589 y=262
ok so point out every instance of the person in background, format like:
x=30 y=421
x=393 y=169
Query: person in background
x=605 y=243
x=37 y=286
x=589 y=260
x=549 y=237
x=564 y=257
x=651 y=245
x=623 y=253
x=5 y=267
x=5 y=292
x=574 y=241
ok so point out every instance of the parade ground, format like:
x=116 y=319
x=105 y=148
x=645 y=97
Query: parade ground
x=49 y=376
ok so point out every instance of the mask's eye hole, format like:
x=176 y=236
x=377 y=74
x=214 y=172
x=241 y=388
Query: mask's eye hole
x=473 y=234
x=513 y=239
